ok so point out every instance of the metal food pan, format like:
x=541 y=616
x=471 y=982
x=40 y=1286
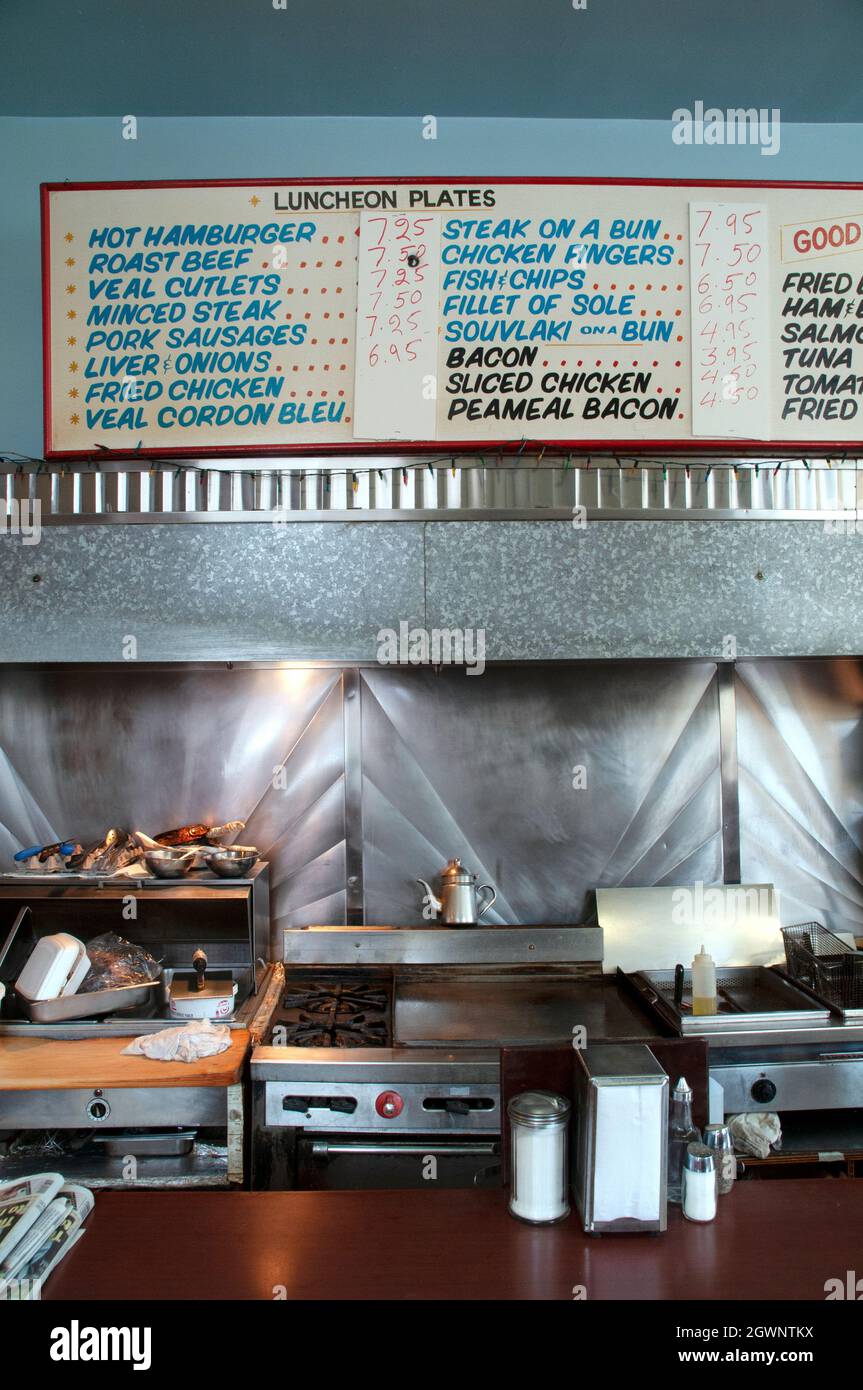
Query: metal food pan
x=749 y=996
x=157 y=1143
x=100 y=1001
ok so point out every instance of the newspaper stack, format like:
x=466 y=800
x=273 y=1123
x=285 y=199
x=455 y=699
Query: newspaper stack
x=40 y=1220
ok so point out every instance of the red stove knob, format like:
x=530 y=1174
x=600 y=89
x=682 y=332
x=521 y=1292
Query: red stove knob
x=389 y=1104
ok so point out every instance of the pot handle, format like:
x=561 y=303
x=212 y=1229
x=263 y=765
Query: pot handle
x=486 y=887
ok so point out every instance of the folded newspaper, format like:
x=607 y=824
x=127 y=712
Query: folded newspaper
x=40 y=1221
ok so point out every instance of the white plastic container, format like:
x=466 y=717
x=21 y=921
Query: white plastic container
x=215 y=1000
x=56 y=967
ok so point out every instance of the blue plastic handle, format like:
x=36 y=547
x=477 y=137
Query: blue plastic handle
x=66 y=848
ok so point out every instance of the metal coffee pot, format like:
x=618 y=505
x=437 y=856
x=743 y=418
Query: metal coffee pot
x=458 y=896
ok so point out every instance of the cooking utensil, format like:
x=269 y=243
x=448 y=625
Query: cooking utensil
x=20 y=918
x=235 y=861
x=62 y=847
x=101 y=1001
x=199 y=965
x=457 y=903
x=679 y=980
x=183 y=835
x=199 y=995
x=823 y=965
x=168 y=863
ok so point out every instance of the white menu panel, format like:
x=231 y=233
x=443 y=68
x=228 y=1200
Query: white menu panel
x=729 y=299
x=397 y=314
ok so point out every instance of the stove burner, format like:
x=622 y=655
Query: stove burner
x=335 y=1015
x=347 y=998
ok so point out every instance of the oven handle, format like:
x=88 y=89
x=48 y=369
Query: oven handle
x=322 y=1149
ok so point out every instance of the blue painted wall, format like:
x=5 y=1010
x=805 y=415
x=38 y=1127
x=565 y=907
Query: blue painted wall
x=34 y=150
x=605 y=59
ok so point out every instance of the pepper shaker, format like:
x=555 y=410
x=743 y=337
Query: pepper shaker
x=719 y=1140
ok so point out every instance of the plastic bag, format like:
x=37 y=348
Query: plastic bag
x=115 y=962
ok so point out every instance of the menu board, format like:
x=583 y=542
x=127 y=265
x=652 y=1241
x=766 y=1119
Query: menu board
x=246 y=318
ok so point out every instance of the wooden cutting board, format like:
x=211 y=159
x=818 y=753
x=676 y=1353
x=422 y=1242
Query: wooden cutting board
x=43 y=1064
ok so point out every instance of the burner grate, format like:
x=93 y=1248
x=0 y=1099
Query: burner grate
x=335 y=1015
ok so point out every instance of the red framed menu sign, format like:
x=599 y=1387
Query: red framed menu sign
x=306 y=316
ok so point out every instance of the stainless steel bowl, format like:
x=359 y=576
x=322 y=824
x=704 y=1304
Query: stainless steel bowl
x=168 y=863
x=235 y=861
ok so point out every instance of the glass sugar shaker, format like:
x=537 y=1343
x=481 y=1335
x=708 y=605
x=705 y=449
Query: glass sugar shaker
x=681 y=1131
x=719 y=1140
x=539 y=1129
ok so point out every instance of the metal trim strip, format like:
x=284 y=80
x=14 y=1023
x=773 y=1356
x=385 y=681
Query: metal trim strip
x=729 y=779
x=605 y=489
x=354 y=859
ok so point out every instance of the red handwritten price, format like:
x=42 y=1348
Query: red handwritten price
x=393 y=314
x=729 y=306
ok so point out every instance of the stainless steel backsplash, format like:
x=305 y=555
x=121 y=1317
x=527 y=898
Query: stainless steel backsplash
x=354 y=781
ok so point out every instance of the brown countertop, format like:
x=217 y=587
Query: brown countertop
x=44 y=1064
x=771 y=1240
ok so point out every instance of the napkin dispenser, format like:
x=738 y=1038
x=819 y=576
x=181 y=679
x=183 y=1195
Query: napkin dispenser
x=620 y=1149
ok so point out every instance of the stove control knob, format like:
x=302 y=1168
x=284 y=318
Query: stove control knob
x=763 y=1091
x=389 y=1104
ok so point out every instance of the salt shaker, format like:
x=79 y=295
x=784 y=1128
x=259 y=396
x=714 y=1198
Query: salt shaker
x=699 y=1183
x=539 y=1124
x=719 y=1140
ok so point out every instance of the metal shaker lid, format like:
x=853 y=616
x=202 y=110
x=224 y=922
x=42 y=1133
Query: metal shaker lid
x=683 y=1089
x=699 y=1159
x=538 y=1109
x=718 y=1137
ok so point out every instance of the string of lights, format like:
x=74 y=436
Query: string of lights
x=515 y=462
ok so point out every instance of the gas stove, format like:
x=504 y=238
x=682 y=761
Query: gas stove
x=373 y=1073
x=332 y=1014
x=377 y=1117
x=339 y=1106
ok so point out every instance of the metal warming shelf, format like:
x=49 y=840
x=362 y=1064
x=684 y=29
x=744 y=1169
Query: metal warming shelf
x=752 y=996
